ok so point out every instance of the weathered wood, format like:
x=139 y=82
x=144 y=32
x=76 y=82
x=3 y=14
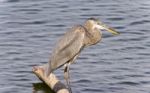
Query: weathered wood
x=52 y=81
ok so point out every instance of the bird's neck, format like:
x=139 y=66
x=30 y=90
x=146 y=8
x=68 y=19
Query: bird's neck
x=93 y=36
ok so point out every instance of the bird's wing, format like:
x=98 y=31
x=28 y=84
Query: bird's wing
x=68 y=47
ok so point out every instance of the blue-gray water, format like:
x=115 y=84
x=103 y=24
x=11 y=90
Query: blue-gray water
x=119 y=64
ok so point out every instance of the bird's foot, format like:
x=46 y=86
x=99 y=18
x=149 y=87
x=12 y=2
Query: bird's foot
x=70 y=90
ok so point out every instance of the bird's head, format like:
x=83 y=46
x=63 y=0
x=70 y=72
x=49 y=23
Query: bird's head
x=93 y=23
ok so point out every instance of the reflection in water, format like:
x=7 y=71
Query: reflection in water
x=41 y=88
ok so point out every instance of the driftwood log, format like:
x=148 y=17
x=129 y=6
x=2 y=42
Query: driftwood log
x=52 y=81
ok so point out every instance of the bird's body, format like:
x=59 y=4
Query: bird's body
x=70 y=45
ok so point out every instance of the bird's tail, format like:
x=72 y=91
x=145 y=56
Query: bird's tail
x=48 y=69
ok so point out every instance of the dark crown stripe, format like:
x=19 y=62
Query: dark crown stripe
x=94 y=19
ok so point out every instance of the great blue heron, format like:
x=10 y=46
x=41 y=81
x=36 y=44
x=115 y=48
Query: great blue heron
x=70 y=45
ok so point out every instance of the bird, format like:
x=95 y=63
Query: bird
x=70 y=45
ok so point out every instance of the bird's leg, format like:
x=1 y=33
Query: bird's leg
x=67 y=76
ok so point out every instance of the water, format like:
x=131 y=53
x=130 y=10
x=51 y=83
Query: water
x=119 y=64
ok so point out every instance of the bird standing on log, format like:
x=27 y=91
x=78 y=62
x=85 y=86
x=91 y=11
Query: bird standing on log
x=72 y=43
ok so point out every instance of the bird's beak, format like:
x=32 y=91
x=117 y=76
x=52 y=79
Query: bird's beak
x=109 y=29
x=112 y=30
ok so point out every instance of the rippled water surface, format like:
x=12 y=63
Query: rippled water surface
x=118 y=64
